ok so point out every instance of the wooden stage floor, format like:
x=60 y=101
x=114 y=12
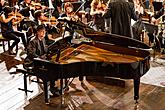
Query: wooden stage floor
x=86 y=96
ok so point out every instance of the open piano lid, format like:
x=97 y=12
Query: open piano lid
x=105 y=37
x=114 y=39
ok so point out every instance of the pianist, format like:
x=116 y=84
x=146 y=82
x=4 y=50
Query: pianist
x=37 y=49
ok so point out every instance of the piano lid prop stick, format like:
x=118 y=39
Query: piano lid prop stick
x=58 y=55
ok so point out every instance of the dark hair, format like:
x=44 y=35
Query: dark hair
x=37 y=14
x=40 y=27
x=7 y=10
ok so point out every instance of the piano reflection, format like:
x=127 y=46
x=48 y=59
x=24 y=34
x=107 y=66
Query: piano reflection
x=107 y=55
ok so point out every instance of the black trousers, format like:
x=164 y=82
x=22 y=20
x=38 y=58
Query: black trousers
x=16 y=37
x=52 y=83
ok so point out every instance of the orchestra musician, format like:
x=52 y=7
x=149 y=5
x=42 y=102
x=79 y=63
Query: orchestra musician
x=54 y=7
x=28 y=6
x=138 y=26
x=70 y=15
x=97 y=10
x=158 y=18
x=28 y=12
x=40 y=18
x=37 y=49
x=121 y=12
x=57 y=8
x=7 y=27
x=3 y=4
x=158 y=14
x=25 y=8
x=44 y=2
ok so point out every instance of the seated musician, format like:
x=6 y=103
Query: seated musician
x=37 y=48
x=7 y=17
x=27 y=11
x=57 y=8
x=156 y=19
x=97 y=10
x=25 y=8
x=159 y=13
x=70 y=15
x=51 y=30
x=54 y=6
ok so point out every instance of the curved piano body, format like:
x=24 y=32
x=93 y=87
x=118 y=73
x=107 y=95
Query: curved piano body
x=96 y=59
x=108 y=55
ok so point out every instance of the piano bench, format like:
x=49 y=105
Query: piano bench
x=4 y=40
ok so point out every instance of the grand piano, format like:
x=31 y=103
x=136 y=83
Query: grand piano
x=102 y=55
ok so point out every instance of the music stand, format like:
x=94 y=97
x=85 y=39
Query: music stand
x=157 y=5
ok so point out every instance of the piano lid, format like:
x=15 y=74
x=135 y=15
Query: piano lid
x=114 y=39
x=104 y=37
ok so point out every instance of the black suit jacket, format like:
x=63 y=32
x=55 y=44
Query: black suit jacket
x=25 y=10
x=34 y=49
x=121 y=13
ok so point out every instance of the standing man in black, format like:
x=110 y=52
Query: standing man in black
x=121 y=12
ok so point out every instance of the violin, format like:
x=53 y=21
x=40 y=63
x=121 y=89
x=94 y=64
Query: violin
x=37 y=6
x=101 y=6
x=71 y=15
x=51 y=20
x=18 y=17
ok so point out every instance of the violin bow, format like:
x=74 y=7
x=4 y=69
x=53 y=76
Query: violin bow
x=79 y=7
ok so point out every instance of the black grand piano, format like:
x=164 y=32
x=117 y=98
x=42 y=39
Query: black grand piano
x=104 y=55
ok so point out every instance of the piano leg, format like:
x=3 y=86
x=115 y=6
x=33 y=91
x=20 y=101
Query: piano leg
x=46 y=92
x=136 y=89
x=61 y=92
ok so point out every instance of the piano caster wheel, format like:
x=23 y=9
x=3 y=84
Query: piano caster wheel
x=47 y=103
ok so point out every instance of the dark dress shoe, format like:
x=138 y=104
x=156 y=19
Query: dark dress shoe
x=55 y=91
x=54 y=95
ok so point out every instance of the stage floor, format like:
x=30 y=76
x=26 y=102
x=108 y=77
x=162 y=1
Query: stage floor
x=86 y=96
